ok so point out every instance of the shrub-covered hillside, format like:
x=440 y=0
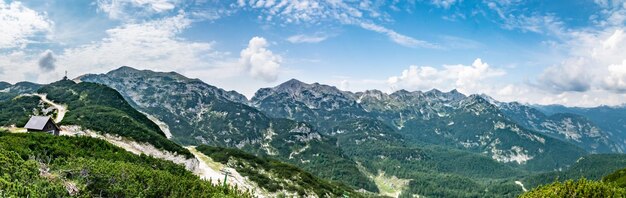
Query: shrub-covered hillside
x=18 y=109
x=580 y=188
x=274 y=175
x=91 y=106
x=612 y=185
x=41 y=165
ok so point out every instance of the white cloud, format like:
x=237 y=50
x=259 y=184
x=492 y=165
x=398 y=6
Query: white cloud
x=18 y=66
x=481 y=78
x=153 y=44
x=466 y=78
x=616 y=80
x=512 y=18
x=260 y=61
x=570 y=75
x=445 y=3
x=398 y=38
x=19 y=25
x=127 y=9
x=535 y=95
x=613 y=12
x=594 y=61
x=358 y=13
x=302 y=38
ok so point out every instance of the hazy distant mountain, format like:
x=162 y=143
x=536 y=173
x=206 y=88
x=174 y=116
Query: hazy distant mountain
x=8 y=90
x=574 y=128
x=611 y=119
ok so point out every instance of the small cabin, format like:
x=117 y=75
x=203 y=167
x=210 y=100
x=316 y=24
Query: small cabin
x=43 y=124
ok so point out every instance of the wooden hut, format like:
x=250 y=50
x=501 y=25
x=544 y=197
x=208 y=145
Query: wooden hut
x=43 y=124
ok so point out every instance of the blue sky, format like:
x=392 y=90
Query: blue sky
x=545 y=52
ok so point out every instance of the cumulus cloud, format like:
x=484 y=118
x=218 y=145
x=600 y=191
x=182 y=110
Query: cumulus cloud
x=47 y=61
x=466 y=78
x=595 y=59
x=616 y=80
x=19 y=25
x=570 y=75
x=152 y=44
x=302 y=38
x=260 y=61
x=535 y=95
x=11 y=62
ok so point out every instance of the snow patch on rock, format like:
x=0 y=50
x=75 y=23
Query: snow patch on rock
x=515 y=154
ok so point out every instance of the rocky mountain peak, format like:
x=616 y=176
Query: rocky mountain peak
x=434 y=92
x=454 y=95
x=298 y=89
x=451 y=96
x=404 y=94
x=490 y=99
x=123 y=69
x=131 y=81
x=127 y=71
x=373 y=94
x=292 y=84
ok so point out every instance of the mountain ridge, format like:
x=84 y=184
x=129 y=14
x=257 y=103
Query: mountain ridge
x=368 y=132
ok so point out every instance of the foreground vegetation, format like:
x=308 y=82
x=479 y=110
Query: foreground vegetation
x=612 y=185
x=41 y=165
x=580 y=188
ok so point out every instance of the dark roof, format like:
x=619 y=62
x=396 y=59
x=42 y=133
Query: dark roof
x=37 y=122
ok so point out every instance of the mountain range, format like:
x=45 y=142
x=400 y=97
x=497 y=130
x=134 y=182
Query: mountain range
x=404 y=143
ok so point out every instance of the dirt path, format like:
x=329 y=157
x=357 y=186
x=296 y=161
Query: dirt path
x=211 y=170
x=519 y=183
x=61 y=109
